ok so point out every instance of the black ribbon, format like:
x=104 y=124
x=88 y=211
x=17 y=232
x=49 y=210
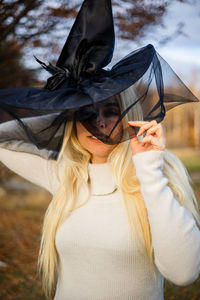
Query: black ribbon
x=60 y=74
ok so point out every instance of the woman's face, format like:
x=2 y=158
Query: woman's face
x=107 y=114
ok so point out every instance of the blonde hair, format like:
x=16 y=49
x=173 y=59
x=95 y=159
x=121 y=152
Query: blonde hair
x=74 y=160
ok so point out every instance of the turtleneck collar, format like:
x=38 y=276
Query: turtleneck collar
x=101 y=180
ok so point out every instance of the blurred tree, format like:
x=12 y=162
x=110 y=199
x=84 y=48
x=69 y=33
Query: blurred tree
x=139 y=16
x=24 y=24
x=41 y=24
x=13 y=72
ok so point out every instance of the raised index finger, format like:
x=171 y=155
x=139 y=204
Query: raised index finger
x=137 y=123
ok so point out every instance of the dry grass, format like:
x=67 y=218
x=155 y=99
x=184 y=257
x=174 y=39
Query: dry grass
x=20 y=227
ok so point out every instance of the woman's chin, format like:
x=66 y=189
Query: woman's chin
x=98 y=148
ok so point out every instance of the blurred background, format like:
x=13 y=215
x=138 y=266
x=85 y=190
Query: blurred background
x=40 y=28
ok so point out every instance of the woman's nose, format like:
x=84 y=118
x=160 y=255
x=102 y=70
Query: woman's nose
x=101 y=121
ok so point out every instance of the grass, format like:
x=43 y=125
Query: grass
x=190 y=158
x=192 y=163
x=20 y=229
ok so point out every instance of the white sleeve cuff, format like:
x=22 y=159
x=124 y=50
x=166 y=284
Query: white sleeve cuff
x=149 y=165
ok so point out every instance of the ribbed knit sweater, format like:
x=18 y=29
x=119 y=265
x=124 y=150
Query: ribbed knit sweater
x=99 y=257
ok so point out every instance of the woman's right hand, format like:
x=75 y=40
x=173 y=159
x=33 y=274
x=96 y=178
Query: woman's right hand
x=153 y=140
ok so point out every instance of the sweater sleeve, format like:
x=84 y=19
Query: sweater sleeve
x=33 y=168
x=175 y=235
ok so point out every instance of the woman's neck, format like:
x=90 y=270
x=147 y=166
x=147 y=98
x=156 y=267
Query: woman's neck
x=98 y=160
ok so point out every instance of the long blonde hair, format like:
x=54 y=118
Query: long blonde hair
x=74 y=160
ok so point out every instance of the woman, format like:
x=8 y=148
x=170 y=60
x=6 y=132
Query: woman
x=122 y=216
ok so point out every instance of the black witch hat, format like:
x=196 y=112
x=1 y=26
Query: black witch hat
x=80 y=86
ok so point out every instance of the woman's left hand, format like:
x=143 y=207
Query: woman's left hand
x=153 y=140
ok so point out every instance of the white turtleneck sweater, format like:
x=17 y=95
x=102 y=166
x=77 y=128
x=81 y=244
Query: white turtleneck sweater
x=99 y=258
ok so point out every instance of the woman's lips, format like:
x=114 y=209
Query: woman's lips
x=95 y=140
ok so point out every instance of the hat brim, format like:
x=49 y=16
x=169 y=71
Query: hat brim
x=156 y=86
